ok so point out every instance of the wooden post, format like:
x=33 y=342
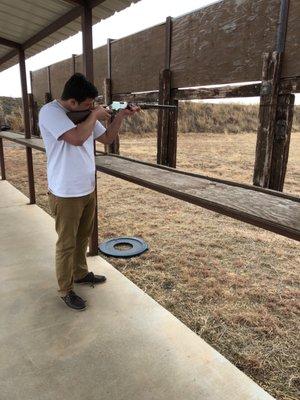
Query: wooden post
x=284 y=113
x=163 y=117
x=281 y=142
x=26 y=117
x=172 y=139
x=48 y=97
x=267 y=115
x=33 y=116
x=74 y=63
x=114 y=147
x=49 y=79
x=270 y=114
x=167 y=120
x=167 y=123
x=88 y=70
x=2 y=162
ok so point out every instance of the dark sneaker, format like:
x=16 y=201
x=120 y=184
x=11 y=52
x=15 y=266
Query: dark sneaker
x=91 y=279
x=73 y=301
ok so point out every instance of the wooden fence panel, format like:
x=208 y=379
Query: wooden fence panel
x=39 y=84
x=60 y=73
x=100 y=67
x=291 y=61
x=79 y=64
x=223 y=43
x=137 y=61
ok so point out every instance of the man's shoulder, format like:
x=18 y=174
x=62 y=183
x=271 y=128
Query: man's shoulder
x=51 y=110
x=51 y=105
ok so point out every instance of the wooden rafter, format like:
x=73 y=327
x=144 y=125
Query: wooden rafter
x=9 y=43
x=51 y=28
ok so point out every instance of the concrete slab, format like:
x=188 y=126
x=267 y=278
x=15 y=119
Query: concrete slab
x=125 y=346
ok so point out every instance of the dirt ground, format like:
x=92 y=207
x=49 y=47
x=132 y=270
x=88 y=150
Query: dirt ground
x=235 y=285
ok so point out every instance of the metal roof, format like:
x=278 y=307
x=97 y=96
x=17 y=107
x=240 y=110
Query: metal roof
x=30 y=23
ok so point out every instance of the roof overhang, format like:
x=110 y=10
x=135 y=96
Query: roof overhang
x=35 y=25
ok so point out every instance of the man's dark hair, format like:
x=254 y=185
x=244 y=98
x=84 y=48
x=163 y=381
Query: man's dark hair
x=79 y=88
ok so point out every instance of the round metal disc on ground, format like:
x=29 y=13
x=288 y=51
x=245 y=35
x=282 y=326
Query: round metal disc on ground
x=137 y=247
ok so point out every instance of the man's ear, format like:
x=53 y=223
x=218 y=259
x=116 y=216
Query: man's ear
x=73 y=103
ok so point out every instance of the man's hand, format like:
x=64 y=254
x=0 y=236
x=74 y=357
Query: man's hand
x=128 y=112
x=101 y=113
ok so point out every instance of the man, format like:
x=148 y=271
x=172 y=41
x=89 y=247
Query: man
x=71 y=179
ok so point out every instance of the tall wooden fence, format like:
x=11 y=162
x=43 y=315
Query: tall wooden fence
x=228 y=42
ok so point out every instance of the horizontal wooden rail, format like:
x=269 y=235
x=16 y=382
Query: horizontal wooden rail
x=267 y=209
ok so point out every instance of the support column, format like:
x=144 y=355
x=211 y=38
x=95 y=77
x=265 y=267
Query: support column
x=267 y=115
x=163 y=117
x=114 y=147
x=33 y=115
x=74 y=63
x=275 y=115
x=281 y=142
x=26 y=117
x=167 y=119
x=88 y=70
x=2 y=162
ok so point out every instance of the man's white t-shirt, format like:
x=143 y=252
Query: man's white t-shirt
x=70 y=169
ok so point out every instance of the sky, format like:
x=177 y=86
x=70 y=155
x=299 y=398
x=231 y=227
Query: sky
x=135 y=18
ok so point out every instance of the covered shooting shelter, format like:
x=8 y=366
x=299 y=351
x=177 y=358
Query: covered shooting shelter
x=163 y=359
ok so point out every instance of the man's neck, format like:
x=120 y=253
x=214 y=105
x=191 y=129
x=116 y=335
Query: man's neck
x=63 y=104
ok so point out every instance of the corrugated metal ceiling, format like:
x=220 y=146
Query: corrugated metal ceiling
x=20 y=20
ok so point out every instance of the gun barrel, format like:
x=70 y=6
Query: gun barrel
x=145 y=106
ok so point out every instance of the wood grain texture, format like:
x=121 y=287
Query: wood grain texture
x=78 y=63
x=276 y=214
x=291 y=62
x=59 y=74
x=267 y=118
x=39 y=84
x=270 y=210
x=281 y=143
x=100 y=67
x=137 y=61
x=223 y=43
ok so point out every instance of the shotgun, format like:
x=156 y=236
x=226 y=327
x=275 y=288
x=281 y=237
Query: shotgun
x=115 y=107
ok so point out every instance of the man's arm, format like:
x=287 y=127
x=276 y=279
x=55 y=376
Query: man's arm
x=112 y=130
x=78 y=135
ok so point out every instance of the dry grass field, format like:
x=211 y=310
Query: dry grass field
x=235 y=285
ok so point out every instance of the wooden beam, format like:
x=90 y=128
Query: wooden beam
x=163 y=117
x=88 y=70
x=87 y=43
x=26 y=117
x=272 y=157
x=281 y=142
x=9 y=43
x=221 y=92
x=168 y=42
x=51 y=28
x=267 y=116
x=264 y=211
x=282 y=26
x=2 y=162
x=114 y=147
x=274 y=211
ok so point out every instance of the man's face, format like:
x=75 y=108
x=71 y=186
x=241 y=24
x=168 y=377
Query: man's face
x=73 y=105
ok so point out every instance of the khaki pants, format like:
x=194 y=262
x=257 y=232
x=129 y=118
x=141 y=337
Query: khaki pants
x=74 y=218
